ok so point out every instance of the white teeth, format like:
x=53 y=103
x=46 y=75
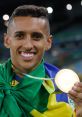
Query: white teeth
x=26 y=54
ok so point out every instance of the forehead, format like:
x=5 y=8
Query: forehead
x=28 y=24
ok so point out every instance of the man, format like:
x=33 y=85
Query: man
x=23 y=91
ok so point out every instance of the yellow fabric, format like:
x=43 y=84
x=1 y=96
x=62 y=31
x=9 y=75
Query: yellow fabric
x=14 y=82
x=36 y=113
x=55 y=109
x=49 y=86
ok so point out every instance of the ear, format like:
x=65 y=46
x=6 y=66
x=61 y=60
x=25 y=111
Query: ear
x=49 y=43
x=6 y=41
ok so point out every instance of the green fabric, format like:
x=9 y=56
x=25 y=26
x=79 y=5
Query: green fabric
x=21 y=99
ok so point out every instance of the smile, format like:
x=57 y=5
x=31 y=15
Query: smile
x=27 y=55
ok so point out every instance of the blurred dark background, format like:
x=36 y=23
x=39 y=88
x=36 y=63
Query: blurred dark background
x=66 y=28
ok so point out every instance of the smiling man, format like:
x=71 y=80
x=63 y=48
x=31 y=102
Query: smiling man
x=28 y=38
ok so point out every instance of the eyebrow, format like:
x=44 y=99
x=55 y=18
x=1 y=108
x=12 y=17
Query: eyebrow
x=21 y=32
x=38 y=34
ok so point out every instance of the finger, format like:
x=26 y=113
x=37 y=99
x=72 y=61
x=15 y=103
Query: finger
x=73 y=93
x=77 y=89
x=72 y=97
x=78 y=84
x=79 y=96
x=76 y=94
x=76 y=100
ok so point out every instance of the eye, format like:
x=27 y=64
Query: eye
x=19 y=36
x=37 y=36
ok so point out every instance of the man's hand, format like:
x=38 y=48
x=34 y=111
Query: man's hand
x=76 y=95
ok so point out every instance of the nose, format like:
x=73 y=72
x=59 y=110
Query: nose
x=28 y=44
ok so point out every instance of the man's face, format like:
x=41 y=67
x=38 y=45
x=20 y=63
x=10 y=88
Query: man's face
x=28 y=39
